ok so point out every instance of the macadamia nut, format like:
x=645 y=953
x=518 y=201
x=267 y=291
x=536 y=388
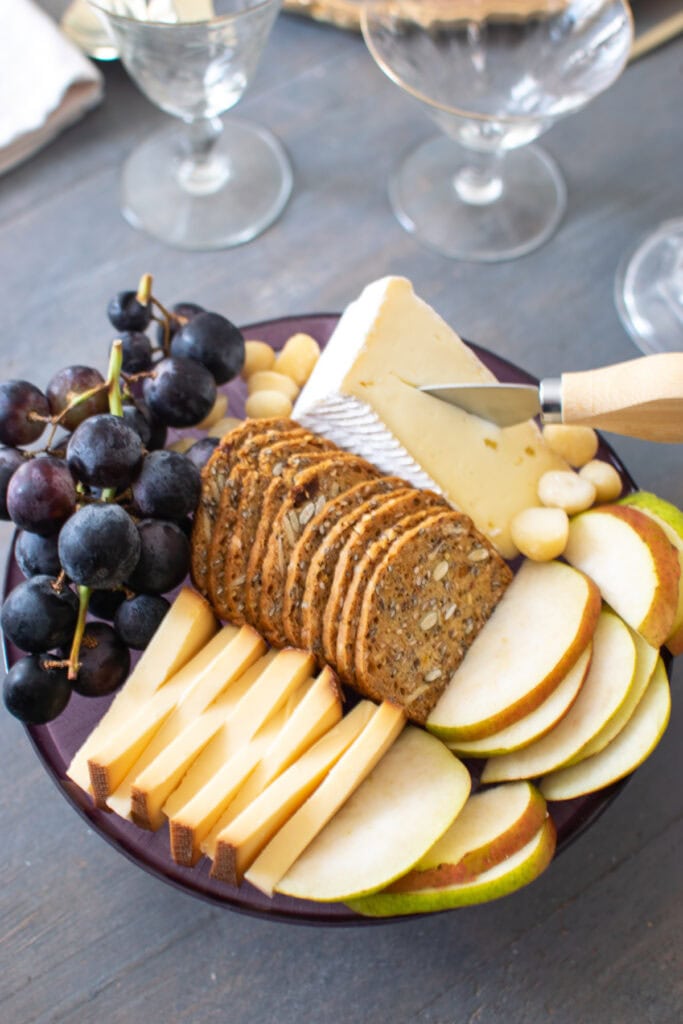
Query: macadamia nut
x=263 y=404
x=577 y=445
x=604 y=478
x=258 y=355
x=559 y=488
x=271 y=380
x=298 y=357
x=540 y=533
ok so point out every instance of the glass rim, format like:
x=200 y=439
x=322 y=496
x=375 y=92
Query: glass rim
x=472 y=115
x=218 y=19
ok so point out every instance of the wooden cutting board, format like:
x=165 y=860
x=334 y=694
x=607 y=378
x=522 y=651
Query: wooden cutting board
x=346 y=13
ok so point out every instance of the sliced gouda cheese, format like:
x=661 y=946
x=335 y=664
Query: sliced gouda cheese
x=187 y=627
x=388 y=342
x=235 y=848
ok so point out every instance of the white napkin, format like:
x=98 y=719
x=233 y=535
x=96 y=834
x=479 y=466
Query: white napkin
x=46 y=84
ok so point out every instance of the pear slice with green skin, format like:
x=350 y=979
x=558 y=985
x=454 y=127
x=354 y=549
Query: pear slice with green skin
x=634 y=564
x=534 y=725
x=516 y=871
x=670 y=518
x=646 y=662
x=539 y=629
x=397 y=813
x=625 y=753
x=604 y=691
x=493 y=824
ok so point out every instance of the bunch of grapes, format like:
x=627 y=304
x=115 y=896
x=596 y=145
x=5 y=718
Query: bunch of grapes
x=102 y=508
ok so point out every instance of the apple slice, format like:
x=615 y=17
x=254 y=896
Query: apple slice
x=188 y=625
x=646 y=662
x=537 y=723
x=625 y=753
x=493 y=824
x=236 y=846
x=273 y=863
x=539 y=629
x=604 y=691
x=269 y=692
x=511 y=874
x=394 y=816
x=633 y=563
x=670 y=519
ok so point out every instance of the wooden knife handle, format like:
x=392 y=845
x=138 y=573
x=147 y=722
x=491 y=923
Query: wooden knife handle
x=640 y=398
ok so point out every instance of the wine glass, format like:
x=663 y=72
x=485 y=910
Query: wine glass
x=205 y=184
x=493 y=75
x=649 y=290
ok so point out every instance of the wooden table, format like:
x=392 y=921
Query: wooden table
x=87 y=936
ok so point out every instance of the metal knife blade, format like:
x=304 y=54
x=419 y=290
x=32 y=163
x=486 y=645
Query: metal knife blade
x=502 y=404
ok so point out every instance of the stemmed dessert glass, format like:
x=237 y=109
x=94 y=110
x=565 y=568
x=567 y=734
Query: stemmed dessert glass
x=493 y=75
x=205 y=184
x=649 y=290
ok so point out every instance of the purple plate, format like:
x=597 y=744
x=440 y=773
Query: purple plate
x=57 y=742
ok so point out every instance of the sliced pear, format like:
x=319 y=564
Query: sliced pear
x=344 y=779
x=511 y=874
x=609 y=679
x=670 y=519
x=319 y=710
x=538 y=631
x=399 y=811
x=493 y=824
x=630 y=558
x=646 y=662
x=187 y=626
x=183 y=697
x=625 y=753
x=236 y=846
x=537 y=723
x=267 y=694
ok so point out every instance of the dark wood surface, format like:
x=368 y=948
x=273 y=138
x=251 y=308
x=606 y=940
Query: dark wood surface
x=87 y=936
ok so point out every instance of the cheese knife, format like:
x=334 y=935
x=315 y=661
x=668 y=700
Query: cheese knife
x=639 y=398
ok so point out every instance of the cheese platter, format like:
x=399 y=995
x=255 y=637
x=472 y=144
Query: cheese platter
x=58 y=741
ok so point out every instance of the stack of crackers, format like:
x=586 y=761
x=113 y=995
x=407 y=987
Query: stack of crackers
x=316 y=549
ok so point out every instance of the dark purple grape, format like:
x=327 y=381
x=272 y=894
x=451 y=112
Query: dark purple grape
x=36 y=555
x=104 y=661
x=186 y=525
x=39 y=616
x=41 y=495
x=201 y=451
x=137 y=352
x=99 y=546
x=167 y=486
x=214 y=342
x=181 y=392
x=137 y=620
x=139 y=418
x=33 y=693
x=10 y=460
x=181 y=313
x=19 y=401
x=127 y=313
x=164 y=557
x=68 y=384
x=104 y=604
x=104 y=452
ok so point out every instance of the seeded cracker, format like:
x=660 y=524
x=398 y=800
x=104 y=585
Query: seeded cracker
x=365 y=532
x=312 y=489
x=214 y=476
x=425 y=603
x=245 y=455
x=323 y=532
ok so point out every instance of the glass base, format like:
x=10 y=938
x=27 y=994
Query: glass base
x=649 y=290
x=161 y=196
x=508 y=222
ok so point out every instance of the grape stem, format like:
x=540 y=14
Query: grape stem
x=165 y=322
x=144 y=292
x=83 y=602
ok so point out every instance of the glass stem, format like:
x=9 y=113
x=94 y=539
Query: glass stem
x=481 y=181
x=202 y=171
